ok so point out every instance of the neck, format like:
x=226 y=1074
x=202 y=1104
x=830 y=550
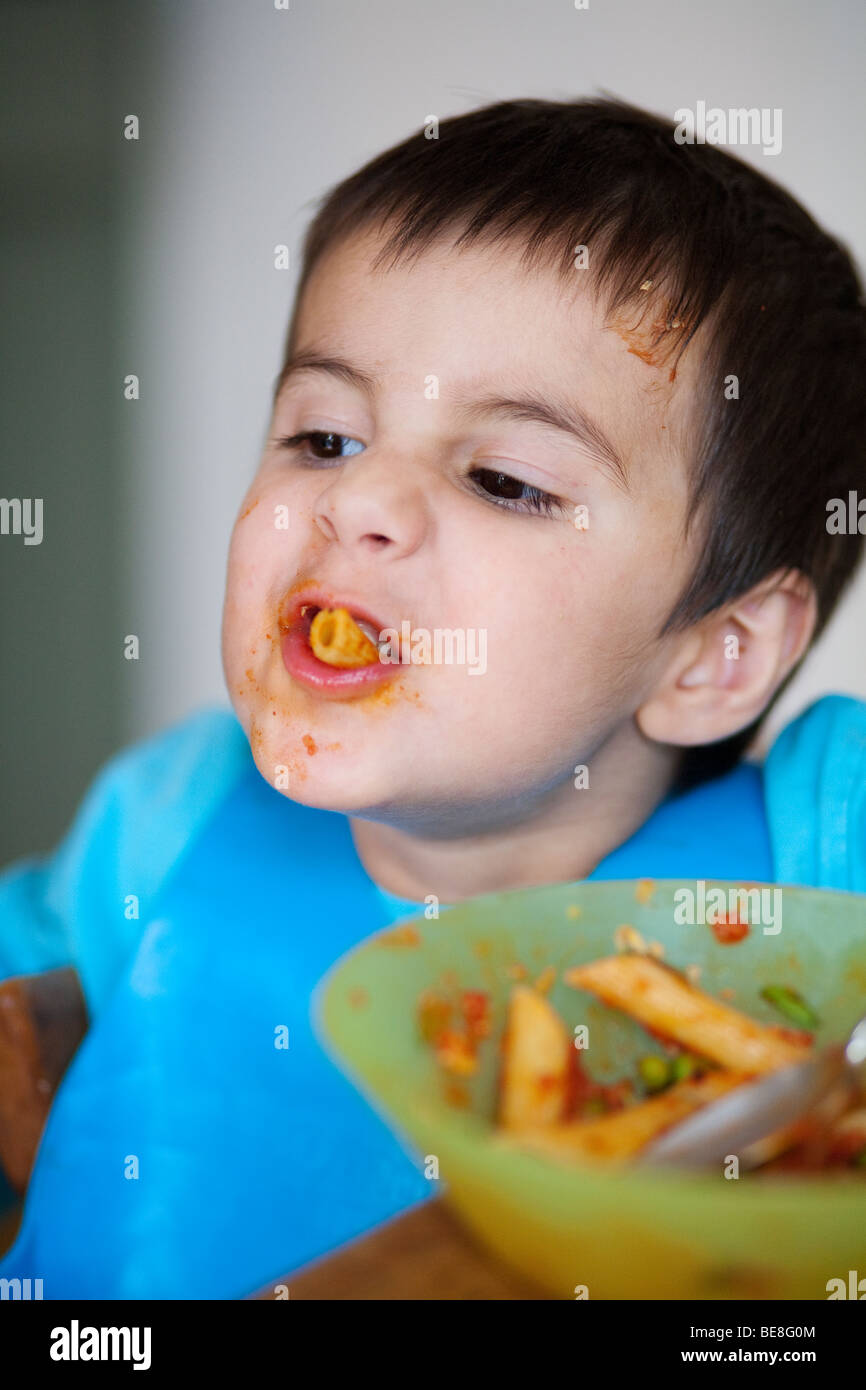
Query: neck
x=563 y=838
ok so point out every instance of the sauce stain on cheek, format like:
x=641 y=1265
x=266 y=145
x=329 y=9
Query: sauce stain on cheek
x=384 y=696
x=296 y=770
x=312 y=747
x=251 y=508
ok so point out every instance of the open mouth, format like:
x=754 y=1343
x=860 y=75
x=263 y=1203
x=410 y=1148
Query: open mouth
x=332 y=645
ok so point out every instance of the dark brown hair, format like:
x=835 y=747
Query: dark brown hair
x=692 y=236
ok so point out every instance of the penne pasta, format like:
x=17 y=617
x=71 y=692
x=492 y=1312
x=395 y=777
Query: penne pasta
x=622 y=1134
x=536 y=1056
x=336 y=638
x=664 y=1002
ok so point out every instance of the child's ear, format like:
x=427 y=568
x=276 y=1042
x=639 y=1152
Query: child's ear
x=729 y=665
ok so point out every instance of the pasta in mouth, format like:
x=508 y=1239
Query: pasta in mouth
x=338 y=640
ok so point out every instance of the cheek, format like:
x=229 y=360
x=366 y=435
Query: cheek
x=627 y=579
x=242 y=581
x=568 y=632
x=266 y=543
x=256 y=576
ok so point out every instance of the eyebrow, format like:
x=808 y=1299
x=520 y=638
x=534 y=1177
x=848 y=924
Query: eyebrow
x=530 y=409
x=313 y=361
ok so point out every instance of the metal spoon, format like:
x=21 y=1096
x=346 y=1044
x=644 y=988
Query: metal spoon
x=748 y=1120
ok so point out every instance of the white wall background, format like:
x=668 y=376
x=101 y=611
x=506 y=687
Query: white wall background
x=250 y=113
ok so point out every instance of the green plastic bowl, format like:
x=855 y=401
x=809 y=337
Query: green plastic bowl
x=615 y=1234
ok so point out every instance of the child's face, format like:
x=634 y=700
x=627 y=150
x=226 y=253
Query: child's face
x=398 y=518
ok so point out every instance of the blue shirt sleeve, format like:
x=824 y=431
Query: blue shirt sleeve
x=815 y=795
x=86 y=904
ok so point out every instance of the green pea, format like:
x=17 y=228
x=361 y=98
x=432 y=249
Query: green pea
x=683 y=1067
x=791 y=1005
x=655 y=1072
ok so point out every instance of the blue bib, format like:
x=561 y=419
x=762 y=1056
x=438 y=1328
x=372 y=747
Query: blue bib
x=187 y=1156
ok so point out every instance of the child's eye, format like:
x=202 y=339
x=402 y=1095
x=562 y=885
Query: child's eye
x=322 y=445
x=511 y=492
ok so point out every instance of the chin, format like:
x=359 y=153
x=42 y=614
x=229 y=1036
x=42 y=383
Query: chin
x=314 y=775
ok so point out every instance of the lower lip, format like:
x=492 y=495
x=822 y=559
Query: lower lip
x=334 y=681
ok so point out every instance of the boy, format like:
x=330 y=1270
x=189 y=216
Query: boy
x=552 y=378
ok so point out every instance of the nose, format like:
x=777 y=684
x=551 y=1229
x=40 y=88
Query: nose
x=373 y=506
